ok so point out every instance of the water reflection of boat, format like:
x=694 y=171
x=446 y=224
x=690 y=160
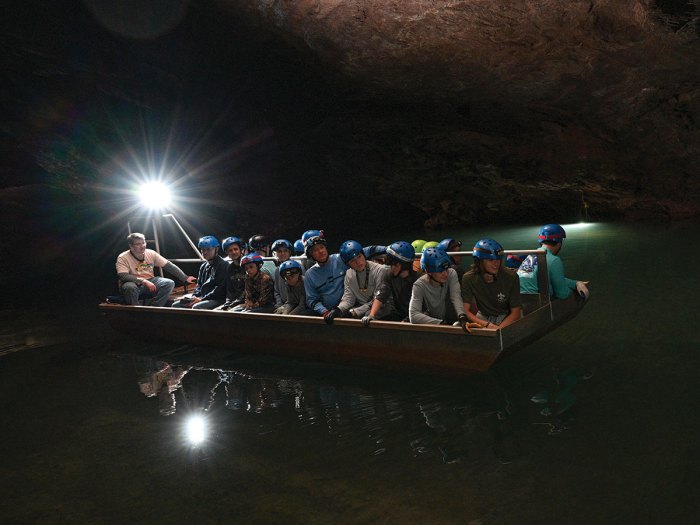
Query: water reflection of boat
x=429 y=348
x=456 y=420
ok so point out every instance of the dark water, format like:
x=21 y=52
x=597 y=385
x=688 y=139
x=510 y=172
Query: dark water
x=596 y=423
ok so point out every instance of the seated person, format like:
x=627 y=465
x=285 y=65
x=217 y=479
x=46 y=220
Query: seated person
x=453 y=245
x=324 y=280
x=292 y=273
x=281 y=251
x=551 y=238
x=259 y=244
x=397 y=287
x=235 y=274
x=210 y=291
x=489 y=289
x=135 y=271
x=432 y=291
x=259 y=288
x=360 y=282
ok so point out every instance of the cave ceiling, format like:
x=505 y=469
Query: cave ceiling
x=466 y=112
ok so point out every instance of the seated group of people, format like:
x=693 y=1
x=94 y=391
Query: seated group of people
x=367 y=283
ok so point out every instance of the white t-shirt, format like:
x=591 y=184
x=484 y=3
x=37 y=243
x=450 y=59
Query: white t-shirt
x=128 y=263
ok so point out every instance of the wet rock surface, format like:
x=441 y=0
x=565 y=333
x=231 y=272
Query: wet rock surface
x=295 y=113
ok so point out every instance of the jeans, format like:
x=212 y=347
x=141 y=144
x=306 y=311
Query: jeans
x=209 y=304
x=133 y=293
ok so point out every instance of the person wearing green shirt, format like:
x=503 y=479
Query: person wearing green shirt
x=491 y=290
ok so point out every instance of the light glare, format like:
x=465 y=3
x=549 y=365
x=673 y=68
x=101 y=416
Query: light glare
x=196 y=430
x=155 y=195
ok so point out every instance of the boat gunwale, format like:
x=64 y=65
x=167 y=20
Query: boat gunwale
x=355 y=323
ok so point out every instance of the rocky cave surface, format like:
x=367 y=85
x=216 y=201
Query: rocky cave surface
x=303 y=113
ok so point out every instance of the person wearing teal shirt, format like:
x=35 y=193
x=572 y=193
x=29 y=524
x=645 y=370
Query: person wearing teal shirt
x=551 y=238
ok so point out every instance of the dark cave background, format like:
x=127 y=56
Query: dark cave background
x=278 y=116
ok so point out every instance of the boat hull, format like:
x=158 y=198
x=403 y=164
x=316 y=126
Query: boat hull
x=425 y=348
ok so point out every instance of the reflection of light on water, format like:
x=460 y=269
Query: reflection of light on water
x=196 y=430
x=578 y=226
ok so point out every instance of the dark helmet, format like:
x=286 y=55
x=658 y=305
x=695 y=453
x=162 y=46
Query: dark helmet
x=552 y=233
x=434 y=260
x=311 y=238
x=208 y=241
x=253 y=257
x=282 y=243
x=514 y=261
x=487 y=249
x=298 y=247
x=374 y=251
x=288 y=267
x=228 y=241
x=401 y=251
x=349 y=250
x=257 y=242
x=450 y=245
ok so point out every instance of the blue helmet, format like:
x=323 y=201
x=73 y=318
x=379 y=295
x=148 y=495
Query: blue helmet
x=551 y=232
x=298 y=247
x=288 y=267
x=308 y=234
x=514 y=261
x=253 y=257
x=282 y=243
x=401 y=251
x=373 y=251
x=311 y=238
x=349 y=250
x=446 y=243
x=228 y=241
x=208 y=241
x=434 y=260
x=488 y=249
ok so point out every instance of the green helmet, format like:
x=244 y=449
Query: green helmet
x=418 y=245
x=430 y=244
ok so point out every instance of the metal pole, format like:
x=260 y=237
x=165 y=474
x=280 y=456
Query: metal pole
x=155 y=239
x=184 y=233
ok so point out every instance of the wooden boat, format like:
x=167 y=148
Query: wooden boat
x=425 y=348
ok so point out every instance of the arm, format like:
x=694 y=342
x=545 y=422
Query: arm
x=123 y=272
x=455 y=292
x=249 y=293
x=266 y=291
x=347 y=301
x=361 y=310
x=515 y=314
x=128 y=278
x=561 y=286
x=471 y=317
x=469 y=301
x=415 y=308
x=176 y=272
x=313 y=298
x=279 y=283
